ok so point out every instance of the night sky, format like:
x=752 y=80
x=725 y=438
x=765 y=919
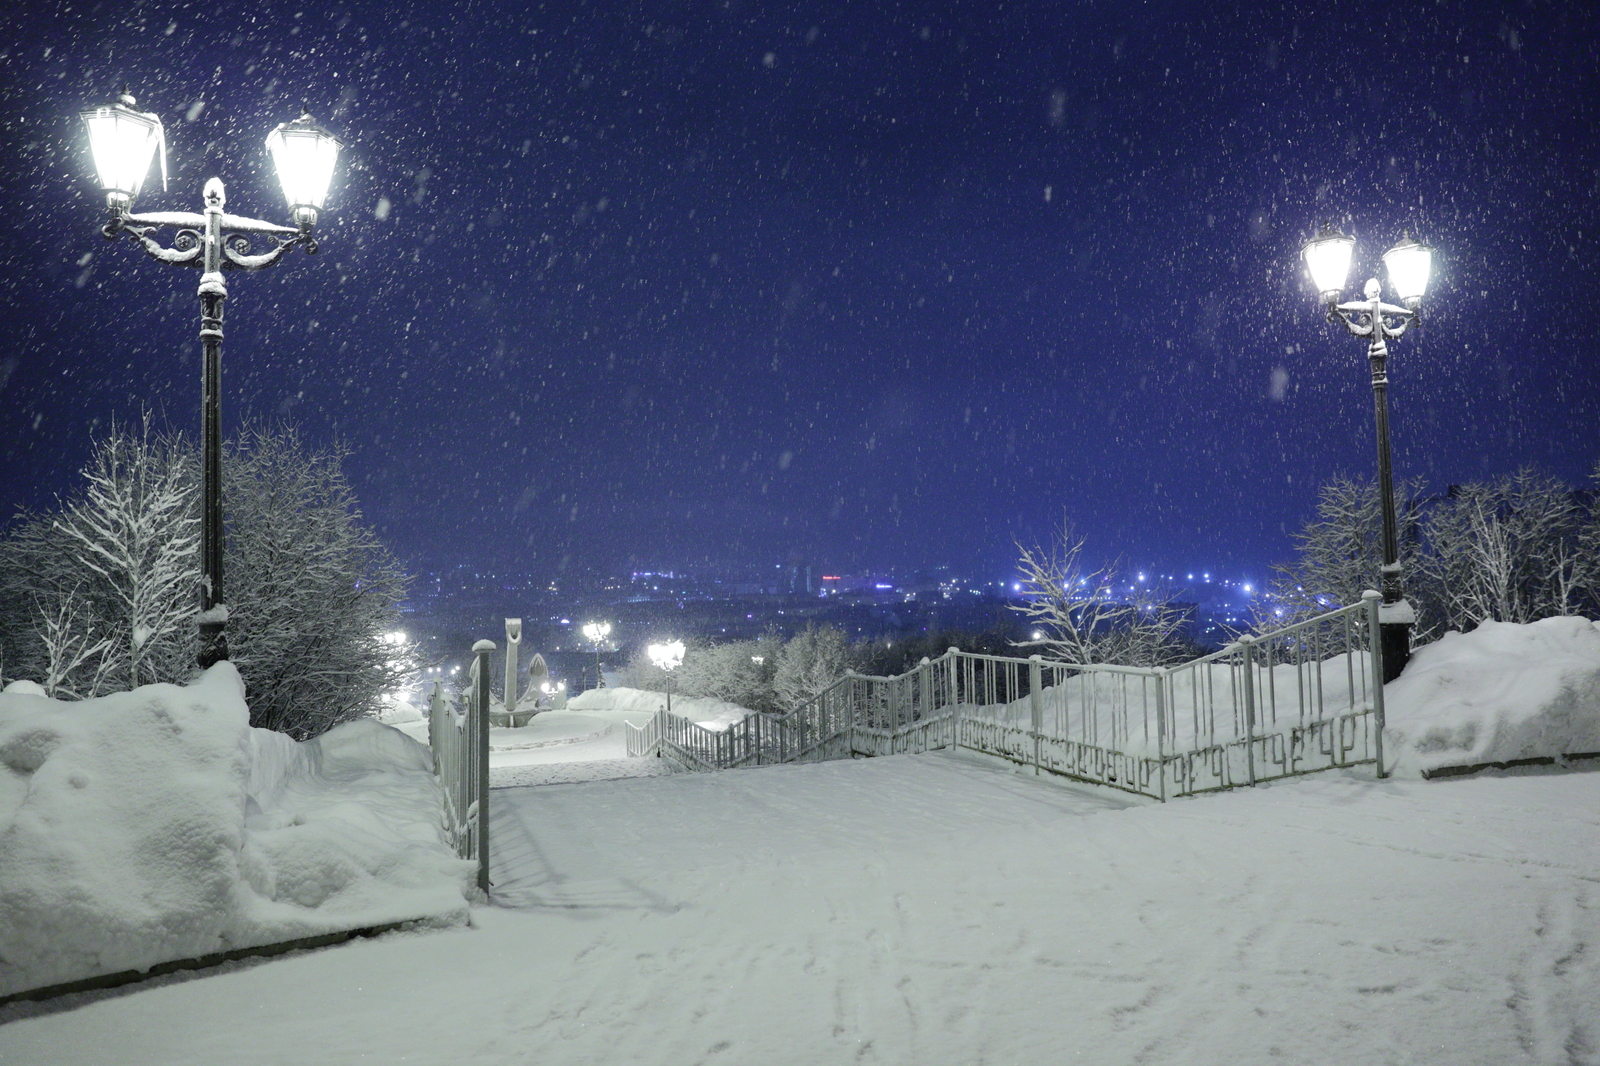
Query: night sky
x=862 y=285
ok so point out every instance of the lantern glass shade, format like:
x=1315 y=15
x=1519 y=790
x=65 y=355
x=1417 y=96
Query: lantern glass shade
x=122 y=142
x=304 y=154
x=1410 y=263
x=1328 y=258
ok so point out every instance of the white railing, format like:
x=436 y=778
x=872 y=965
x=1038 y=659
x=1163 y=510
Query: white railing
x=1303 y=698
x=460 y=743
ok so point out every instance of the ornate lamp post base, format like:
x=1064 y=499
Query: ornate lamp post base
x=1394 y=632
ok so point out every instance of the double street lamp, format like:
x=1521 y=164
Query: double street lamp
x=1409 y=264
x=667 y=657
x=596 y=633
x=123 y=141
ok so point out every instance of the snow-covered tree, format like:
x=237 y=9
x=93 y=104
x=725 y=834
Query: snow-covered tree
x=103 y=595
x=1588 y=567
x=1086 y=615
x=1341 y=555
x=1508 y=551
x=810 y=661
x=312 y=593
x=739 y=671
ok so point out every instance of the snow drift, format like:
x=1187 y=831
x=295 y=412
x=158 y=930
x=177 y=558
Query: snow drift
x=156 y=825
x=1500 y=693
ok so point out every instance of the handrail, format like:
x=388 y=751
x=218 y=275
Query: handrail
x=1293 y=700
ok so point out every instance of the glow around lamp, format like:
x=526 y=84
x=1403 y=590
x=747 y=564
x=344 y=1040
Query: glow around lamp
x=304 y=154
x=1327 y=257
x=667 y=656
x=122 y=140
x=1410 y=264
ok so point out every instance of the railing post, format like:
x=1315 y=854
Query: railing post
x=1247 y=644
x=1161 y=729
x=480 y=740
x=1373 y=598
x=952 y=665
x=1035 y=705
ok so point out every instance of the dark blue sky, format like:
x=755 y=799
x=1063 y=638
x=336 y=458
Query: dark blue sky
x=856 y=284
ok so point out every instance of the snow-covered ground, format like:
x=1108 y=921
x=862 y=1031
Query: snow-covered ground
x=949 y=909
x=585 y=742
x=937 y=909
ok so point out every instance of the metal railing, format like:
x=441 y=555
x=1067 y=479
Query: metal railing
x=1303 y=698
x=460 y=743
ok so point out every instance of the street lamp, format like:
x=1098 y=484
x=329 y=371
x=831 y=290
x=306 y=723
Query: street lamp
x=122 y=141
x=668 y=657
x=594 y=633
x=1409 y=265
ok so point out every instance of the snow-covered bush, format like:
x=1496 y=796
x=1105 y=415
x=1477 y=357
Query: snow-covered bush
x=812 y=660
x=102 y=596
x=788 y=673
x=739 y=671
x=311 y=591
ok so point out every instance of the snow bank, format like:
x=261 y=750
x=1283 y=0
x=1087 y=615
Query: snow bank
x=1499 y=693
x=156 y=825
x=713 y=714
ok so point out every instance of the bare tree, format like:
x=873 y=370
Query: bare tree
x=1341 y=555
x=1085 y=615
x=78 y=661
x=134 y=529
x=1507 y=551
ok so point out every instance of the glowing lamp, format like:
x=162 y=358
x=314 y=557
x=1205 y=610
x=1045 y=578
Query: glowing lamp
x=304 y=154
x=1410 y=263
x=667 y=656
x=122 y=141
x=1327 y=256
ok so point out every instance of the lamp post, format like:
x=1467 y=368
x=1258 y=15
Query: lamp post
x=668 y=657
x=122 y=141
x=1409 y=264
x=594 y=633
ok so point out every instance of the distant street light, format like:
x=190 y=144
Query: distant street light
x=1409 y=263
x=595 y=633
x=668 y=657
x=122 y=141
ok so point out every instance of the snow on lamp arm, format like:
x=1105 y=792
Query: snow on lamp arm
x=1410 y=264
x=122 y=141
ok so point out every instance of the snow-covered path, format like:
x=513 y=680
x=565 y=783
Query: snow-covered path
x=934 y=909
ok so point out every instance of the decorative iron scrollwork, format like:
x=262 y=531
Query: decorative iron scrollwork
x=185 y=251
x=236 y=252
